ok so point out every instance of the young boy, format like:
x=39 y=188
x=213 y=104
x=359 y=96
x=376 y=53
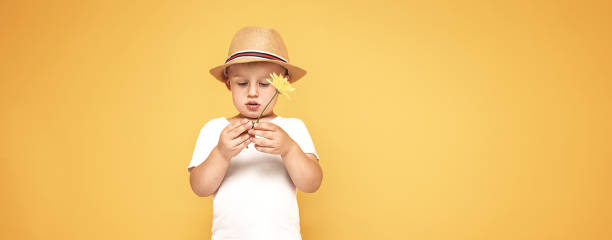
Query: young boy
x=254 y=188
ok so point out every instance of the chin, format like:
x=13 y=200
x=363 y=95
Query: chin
x=249 y=114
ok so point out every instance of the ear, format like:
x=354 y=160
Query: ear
x=228 y=85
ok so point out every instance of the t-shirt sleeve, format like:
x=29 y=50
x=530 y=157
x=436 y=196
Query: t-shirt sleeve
x=207 y=140
x=302 y=137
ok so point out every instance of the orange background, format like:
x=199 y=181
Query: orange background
x=433 y=120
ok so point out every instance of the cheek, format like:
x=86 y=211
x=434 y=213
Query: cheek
x=239 y=96
x=269 y=91
x=236 y=97
x=270 y=95
x=236 y=90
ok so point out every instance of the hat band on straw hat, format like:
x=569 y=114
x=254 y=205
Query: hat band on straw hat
x=254 y=53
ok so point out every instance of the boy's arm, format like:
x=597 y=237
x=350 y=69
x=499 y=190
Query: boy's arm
x=304 y=169
x=206 y=177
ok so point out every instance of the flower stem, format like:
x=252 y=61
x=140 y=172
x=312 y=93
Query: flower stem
x=262 y=111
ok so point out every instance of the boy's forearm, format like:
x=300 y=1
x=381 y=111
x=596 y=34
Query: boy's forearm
x=206 y=178
x=305 y=172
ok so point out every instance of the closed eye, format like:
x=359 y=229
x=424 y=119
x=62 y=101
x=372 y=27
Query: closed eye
x=262 y=84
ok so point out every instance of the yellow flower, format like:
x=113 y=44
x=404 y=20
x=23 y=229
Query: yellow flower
x=281 y=84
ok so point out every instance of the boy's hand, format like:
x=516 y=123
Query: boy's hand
x=275 y=140
x=234 y=138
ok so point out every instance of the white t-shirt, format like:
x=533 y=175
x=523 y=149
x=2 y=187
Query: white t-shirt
x=257 y=198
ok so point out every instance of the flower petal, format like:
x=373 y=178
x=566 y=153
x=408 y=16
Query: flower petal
x=281 y=84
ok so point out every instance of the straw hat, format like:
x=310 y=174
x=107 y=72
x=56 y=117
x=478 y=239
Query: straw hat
x=258 y=44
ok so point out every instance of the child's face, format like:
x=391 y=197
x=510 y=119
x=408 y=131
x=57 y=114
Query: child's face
x=247 y=82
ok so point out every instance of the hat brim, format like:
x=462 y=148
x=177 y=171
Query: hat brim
x=295 y=72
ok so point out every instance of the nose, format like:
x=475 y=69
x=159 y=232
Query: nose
x=253 y=91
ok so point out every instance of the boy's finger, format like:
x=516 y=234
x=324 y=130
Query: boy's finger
x=266 y=126
x=240 y=129
x=262 y=142
x=238 y=123
x=244 y=144
x=233 y=125
x=262 y=133
x=264 y=149
x=240 y=139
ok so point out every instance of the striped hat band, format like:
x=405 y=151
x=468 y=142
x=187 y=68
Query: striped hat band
x=254 y=53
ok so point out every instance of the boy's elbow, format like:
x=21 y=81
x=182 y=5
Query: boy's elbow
x=203 y=194
x=311 y=188
x=200 y=193
x=197 y=188
x=315 y=182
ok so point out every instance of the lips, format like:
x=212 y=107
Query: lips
x=252 y=105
